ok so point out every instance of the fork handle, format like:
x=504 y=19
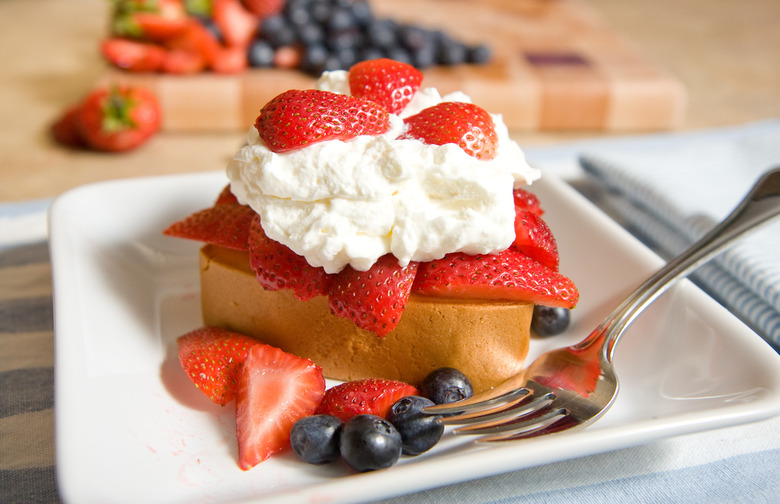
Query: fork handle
x=760 y=205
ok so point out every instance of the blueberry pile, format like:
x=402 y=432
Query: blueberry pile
x=336 y=34
x=369 y=442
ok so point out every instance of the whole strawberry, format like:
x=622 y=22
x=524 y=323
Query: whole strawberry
x=389 y=83
x=465 y=124
x=212 y=358
x=118 y=118
x=298 y=118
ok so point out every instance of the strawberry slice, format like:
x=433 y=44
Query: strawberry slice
x=183 y=62
x=226 y=197
x=148 y=20
x=390 y=83
x=526 y=200
x=275 y=389
x=133 y=56
x=510 y=275
x=534 y=238
x=159 y=27
x=263 y=8
x=297 y=118
x=198 y=39
x=464 y=124
x=277 y=267
x=236 y=24
x=223 y=225
x=372 y=396
x=212 y=358
x=231 y=60
x=373 y=300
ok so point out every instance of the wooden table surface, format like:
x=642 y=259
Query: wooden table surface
x=724 y=52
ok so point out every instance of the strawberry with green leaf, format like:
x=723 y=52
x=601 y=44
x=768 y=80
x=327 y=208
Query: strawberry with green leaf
x=118 y=118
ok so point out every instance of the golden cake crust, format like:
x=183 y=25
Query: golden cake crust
x=488 y=341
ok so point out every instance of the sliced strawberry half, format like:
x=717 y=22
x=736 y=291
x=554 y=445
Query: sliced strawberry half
x=264 y=8
x=372 y=396
x=390 y=83
x=275 y=389
x=297 y=118
x=226 y=197
x=198 y=39
x=465 y=124
x=133 y=56
x=526 y=200
x=223 y=225
x=183 y=62
x=373 y=300
x=534 y=238
x=236 y=24
x=212 y=358
x=277 y=267
x=161 y=26
x=510 y=275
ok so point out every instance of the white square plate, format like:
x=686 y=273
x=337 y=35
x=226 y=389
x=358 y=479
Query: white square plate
x=131 y=428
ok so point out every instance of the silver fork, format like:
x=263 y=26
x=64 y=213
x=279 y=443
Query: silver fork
x=570 y=388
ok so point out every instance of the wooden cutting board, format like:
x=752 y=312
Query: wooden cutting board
x=557 y=66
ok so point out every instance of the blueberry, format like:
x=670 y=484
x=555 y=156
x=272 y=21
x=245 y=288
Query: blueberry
x=340 y=19
x=382 y=33
x=452 y=52
x=399 y=53
x=419 y=431
x=315 y=439
x=369 y=442
x=314 y=59
x=479 y=54
x=361 y=12
x=260 y=54
x=550 y=320
x=446 y=385
x=311 y=33
x=276 y=30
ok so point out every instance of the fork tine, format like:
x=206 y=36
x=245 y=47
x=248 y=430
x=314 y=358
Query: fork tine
x=503 y=410
x=506 y=419
x=485 y=401
x=526 y=429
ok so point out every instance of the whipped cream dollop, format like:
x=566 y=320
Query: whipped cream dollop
x=341 y=203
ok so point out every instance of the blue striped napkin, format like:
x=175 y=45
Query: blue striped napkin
x=671 y=190
x=27 y=470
